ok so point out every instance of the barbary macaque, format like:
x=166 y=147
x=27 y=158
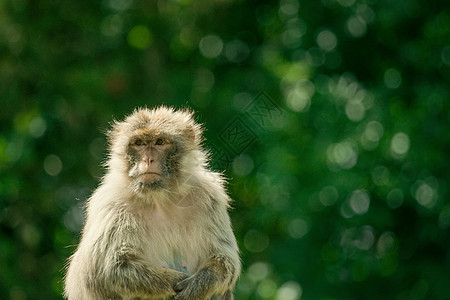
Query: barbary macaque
x=157 y=227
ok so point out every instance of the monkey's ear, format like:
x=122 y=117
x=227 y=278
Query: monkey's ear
x=190 y=133
x=114 y=130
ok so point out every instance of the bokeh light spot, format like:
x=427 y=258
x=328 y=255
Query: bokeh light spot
x=120 y=5
x=326 y=40
x=400 y=145
x=386 y=242
x=289 y=7
x=37 y=127
x=444 y=217
x=243 y=165
x=315 y=56
x=328 y=195
x=298 y=228
x=140 y=37
x=395 y=198
x=346 y=3
x=425 y=194
x=380 y=175
x=342 y=154
x=112 y=25
x=267 y=288
x=211 y=46
x=290 y=290
x=258 y=271
x=359 y=202
x=357 y=238
x=236 y=51
x=365 y=12
x=445 y=56
x=74 y=218
x=293 y=33
x=30 y=234
x=52 y=165
x=356 y=26
x=374 y=131
x=355 y=111
x=392 y=78
x=256 y=241
x=299 y=97
x=204 y=80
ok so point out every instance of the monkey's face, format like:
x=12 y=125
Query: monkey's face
x=151 y=161
x=151 y=146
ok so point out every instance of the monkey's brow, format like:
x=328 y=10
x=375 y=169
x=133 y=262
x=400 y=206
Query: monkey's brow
x=151 y=137
x=144 y=130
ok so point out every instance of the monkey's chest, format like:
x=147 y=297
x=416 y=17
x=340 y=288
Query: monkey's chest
x=175 y=243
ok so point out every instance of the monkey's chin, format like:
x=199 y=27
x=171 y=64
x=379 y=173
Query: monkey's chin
x=145 y=186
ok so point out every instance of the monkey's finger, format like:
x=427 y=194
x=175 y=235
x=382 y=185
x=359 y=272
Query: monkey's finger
x=184 y=296
x=181 y=285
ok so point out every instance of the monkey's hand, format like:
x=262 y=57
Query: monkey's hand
x=197 y=286
x=187 y=289
x=173 y=277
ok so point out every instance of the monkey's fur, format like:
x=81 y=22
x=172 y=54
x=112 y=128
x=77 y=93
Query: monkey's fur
x=157 y=226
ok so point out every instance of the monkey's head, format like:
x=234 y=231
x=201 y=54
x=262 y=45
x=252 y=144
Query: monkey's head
x=151 y=145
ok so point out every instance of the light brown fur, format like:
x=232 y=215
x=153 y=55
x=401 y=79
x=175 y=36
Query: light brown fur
x=167 y=241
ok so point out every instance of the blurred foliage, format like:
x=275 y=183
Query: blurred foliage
x=343 y=193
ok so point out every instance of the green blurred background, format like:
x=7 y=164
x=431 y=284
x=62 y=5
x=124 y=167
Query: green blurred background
x=340 y=188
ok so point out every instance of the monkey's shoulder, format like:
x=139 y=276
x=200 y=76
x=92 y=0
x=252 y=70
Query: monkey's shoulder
x=212 y=186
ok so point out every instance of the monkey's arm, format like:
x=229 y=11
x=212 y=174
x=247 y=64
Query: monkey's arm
x=218 y=274
x=130 y=277
x=116 y=267
x=215 y=278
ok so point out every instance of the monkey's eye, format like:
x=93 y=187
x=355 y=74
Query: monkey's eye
x=159 y=142
x=139 y=142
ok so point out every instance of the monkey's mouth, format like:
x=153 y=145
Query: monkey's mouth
x=149 y=176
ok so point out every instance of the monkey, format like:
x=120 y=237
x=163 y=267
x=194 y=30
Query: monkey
x=157 y=226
